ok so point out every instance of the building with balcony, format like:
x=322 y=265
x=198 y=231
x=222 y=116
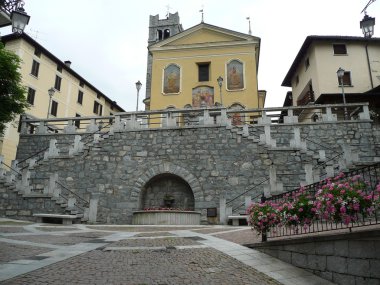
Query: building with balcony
x=41 y=70
x=313 y=73
x=202 y=66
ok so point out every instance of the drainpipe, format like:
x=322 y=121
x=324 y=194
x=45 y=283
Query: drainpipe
x=369 y=65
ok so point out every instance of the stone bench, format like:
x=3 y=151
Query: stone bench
x=66 y=219
x=236 y=219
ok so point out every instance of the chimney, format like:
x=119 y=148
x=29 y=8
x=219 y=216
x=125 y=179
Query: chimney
x=68 y=63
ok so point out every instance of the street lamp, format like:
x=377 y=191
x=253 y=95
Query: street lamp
x=51 y=92
x=19 y=20
x=138 y=87
x=220 y=82
x=367 y=25
x=340 y=73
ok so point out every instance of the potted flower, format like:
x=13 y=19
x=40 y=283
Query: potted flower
x=263 y=216
x=344 y=199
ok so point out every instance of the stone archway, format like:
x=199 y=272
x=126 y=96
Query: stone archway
x=167 y=191
x=167 y=168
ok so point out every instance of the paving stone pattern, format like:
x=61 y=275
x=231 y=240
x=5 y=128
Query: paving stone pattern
x=172 y=255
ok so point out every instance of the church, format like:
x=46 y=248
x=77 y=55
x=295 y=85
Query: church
x=203 y=66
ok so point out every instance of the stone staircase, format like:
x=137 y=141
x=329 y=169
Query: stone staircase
x=49 y=194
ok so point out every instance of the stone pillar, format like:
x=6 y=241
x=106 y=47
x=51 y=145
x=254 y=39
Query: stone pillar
x=297 y=142
x=77 y=147
x=247 y=202
x=329 y=116
x=92 y=127
x=93 y=210
x=222 y=210
x=131 y=123
x=309 y=177
x=53 y=151
x=245 y=131
x=117 y=125
x=275 y=187
x=329 y=169
x=71 y=202
x=24 y=126
x=223 y=117
x=52 y=188
x=70 y=128
x=96 y=138
x=365 y=114
x=266 y=137
x=171 y=120
x=290 y=118
x=42 y=129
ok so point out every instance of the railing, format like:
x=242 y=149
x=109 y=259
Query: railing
x=196 y=117
x=370 y=174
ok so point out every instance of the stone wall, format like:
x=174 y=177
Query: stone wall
x=347 y=258
x=213 y=161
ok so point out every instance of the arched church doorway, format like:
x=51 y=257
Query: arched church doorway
x=167 y=191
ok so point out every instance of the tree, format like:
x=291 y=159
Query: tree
x=12 y=92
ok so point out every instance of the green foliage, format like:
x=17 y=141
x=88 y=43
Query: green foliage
x=12 y=92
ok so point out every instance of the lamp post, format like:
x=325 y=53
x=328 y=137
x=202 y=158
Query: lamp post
x=19 y=20
x=340 y=73
x=138 y=87
x=51 y=92
x=220 y=82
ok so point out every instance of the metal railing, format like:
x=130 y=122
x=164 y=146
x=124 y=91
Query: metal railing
x=370 y=174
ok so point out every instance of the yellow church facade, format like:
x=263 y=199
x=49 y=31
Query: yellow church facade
x=186 y=66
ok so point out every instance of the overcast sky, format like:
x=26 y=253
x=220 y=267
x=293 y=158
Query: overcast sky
x=106 y=40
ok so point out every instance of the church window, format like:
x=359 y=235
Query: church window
x=203 y=71
x=166 y=33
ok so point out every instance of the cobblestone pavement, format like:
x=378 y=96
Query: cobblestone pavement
x=51 y=254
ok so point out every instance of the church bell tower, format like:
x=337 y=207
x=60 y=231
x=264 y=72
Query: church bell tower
x=159 y=29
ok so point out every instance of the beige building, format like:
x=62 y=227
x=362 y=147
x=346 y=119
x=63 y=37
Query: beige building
x=74 y=96
x=313 y=74
x=184 y=65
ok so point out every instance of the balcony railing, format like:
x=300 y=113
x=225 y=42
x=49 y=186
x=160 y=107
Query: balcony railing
x=8 y=6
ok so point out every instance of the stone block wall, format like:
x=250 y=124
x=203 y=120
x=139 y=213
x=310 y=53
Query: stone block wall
x=214 y=161
x=345 y=258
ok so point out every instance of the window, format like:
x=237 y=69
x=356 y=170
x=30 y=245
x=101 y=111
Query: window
x=346 y=79
x=59 y=68
x=340 y=49
x=77 y=122
x=307 y=63
x=54 y=108
x=57 y=84
x=37 y=52
x=81 y=83
x=203 y=71
x=31 y=95
x=98 y=96
x=80 y=97
x=35 y=68
x=98 y=108
x=297 y=80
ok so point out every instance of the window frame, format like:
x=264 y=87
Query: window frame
x=98 y=108
x=201 y=71
x=58 y=82
x=347 y=81
x=80 y=97
x=54 y=108
x=336 y=49
x=31 y=96
x=35 y=68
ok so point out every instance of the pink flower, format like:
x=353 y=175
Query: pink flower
x=300 y=210
x=342 y=209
